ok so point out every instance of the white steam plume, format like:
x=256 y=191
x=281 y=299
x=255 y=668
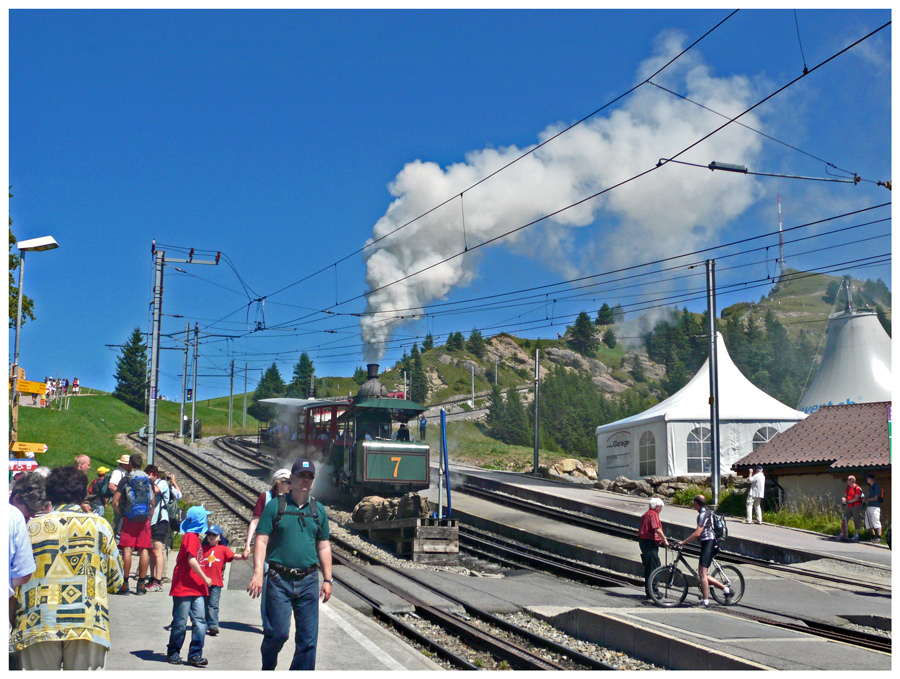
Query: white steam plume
x=671 y=210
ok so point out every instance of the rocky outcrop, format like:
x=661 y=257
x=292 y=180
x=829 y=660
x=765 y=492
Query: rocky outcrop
x=665 y=486
x=375 y=508
x=570 y=470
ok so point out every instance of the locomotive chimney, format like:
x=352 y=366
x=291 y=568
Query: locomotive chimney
x=373 y=371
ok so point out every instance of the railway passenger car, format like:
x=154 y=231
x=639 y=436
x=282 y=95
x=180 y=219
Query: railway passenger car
x=352 y=440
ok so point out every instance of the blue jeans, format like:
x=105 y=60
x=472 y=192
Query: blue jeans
x=212 y=607
x=282 y=597
x=181 y=607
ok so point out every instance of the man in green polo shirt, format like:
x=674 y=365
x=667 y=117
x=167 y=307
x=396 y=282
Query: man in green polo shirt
x=294 y=545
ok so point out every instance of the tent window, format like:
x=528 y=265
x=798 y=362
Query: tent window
x=699 y=451
x=648 y=454
x=763 y=435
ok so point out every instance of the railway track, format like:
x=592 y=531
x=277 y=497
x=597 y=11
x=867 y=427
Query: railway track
x=516 y=655
x=616 y=530
x=233 y=497
x=513 y=554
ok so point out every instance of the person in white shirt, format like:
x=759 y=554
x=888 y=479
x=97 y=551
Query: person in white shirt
x=755 y=495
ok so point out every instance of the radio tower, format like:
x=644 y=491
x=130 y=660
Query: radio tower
x=780 y=237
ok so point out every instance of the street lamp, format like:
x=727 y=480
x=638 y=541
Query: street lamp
x=35 y=244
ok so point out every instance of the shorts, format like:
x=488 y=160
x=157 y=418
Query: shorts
x=135 y=534
x=159 y=530
x=708 y=549
x=873 y=518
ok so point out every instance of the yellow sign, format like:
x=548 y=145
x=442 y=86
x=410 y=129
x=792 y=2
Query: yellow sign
x=27 y=387
x=22 y=447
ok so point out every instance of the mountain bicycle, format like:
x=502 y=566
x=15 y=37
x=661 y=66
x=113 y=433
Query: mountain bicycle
x=668 y=586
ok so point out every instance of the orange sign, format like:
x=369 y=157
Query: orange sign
x=27 y=387
x=22 y=447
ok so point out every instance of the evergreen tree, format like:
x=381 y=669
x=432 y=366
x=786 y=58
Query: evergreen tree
x=604 y=316
x=428 y=343
x=303 y=372
x=360 y=375
x=494 y=411
x=418 y=383
x=476 y=343
x=583 y=340
x=637 y=369
x=609 y=338
x=131 y=372
x=455 y=341
x=271 y=385
x=516 y=426
x=831 y=291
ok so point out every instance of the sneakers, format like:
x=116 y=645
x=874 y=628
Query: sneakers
x=875 y=541
x=212 y=631
x=174 y=660
x=124 y=588
x=197 y=662
x=141 y=587
x=729 y=592
x=702 y=604
x=154 y=586
x=855 y=538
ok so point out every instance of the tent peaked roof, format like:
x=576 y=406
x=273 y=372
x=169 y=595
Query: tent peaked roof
x=856 y=363
x=739 y=399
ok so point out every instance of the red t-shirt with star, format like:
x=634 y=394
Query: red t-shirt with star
x=185 y=582
x=213 y=562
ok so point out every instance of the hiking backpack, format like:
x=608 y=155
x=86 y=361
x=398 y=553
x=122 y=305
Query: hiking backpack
x=138 y=496
x=103 y=489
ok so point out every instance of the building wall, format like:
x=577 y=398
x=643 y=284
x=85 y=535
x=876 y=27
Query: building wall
x=827 y=488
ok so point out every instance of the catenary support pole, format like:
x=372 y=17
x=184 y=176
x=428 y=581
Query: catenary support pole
x=194 y=396
x=537 y=409
x=244 y=424
x=187 y=346
x=715 y=472
x=154 y=356
x=231 y=397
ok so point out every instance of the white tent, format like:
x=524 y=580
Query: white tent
x=673 y=437
x=856 y=363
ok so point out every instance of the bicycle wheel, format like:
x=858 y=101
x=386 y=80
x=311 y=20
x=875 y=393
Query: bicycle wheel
x=728 y=575
x=668 y=586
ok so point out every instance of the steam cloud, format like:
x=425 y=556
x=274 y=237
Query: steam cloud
x=671 y=210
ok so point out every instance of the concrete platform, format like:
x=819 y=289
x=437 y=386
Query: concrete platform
x=348 y=640
x=783 y=545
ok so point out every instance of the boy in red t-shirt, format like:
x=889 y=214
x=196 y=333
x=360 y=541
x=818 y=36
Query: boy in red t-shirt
x=215 y=555
x=190 y=586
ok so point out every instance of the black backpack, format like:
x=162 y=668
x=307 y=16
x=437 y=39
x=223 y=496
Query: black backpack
x=719 y=526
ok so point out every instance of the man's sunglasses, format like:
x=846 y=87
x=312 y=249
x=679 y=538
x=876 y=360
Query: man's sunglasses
x=306 y=475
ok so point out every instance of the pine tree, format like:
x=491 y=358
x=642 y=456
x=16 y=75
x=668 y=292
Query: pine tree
x=494 y=410
x=271 y=385
x=515 y=426
x=360 y=375
x=131 y=372
x=583 y=340
x=303 y=372
x=604 y=316
x=455 y=341
x=476 y=343
x=609 y=338
x=637 y=369
x=418 y=383
x=428 y=343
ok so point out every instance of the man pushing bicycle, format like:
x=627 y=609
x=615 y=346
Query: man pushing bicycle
x=709 y=546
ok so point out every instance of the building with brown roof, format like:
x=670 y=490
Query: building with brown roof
x=814 y=457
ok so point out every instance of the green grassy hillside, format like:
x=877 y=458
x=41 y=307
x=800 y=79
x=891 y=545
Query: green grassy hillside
x=91 y=423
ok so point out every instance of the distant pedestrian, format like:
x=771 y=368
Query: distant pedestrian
x=76 y=388
x=852 y=502
x=190 y=587
x=650 y=537
x=292 y=537
x=66 y=387
x=215 y=555
x=423 y=424
x=873 y=501
x=755 y=495
x=62 y=619
x=709 y=546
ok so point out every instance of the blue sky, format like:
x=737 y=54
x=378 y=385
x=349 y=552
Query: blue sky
x=286 y=139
